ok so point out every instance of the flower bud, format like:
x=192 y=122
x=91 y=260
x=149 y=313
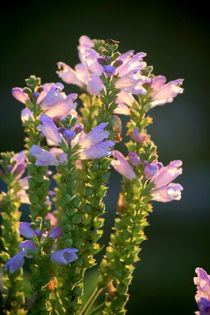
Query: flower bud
x=38 y=232
x=150 y=170
x=55 y=233
x=139 y=137
x=26 y=114
x=109 y=70
x=69 y=134
x=101 y=61
x=35 y=94
x=118 y=63
x=134 y=159
x=8 y=167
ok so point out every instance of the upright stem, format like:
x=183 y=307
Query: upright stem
x=90 y=301
x=118 y=264
x=14 y=283
x=38 y=192
x=95 y=174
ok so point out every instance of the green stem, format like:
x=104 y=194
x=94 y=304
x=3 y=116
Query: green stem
x=97 y=308
x=10 y=203
x=91 y=300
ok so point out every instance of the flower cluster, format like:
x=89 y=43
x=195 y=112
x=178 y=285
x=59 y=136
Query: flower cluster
x=29 y=247
x=66 y=167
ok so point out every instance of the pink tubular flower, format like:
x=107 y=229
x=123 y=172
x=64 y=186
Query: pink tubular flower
x=134 y=158
x=97 y=151
x=124 y=101
x=20 y=165
x=43 y=157
x=163 y=176
x=20 y=95
x=87 y=74
x=53 y=101
x=64 y=256
x=49 y=130
x=202 y=297
x=53 y=220
x=122 y=166
x=139 y=137
x=164 y=93
x=26 y=114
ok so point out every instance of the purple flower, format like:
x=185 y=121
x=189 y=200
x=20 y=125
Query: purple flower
x=124 y=100
x=38 y=232
x=69 y=134
x=95 y=136
x=70 y=76
x=127 y=66
x=202 y=296
x=132 y=82
x=56 y=232
x=64 y=256
x=22 y=194
x=134 y=158
x=122 y=166
x=150 y=170
x=14 y=263
x=167 y=173
x=25 y=246
x=165 y=190
x=167 y=193
x=97 y=151
x=26 y=114
x=92 y=144
x=49 y=130
x=20 y=165
x=131 y=63
x=164 y=93
x=20 y=95
x=109 y=70
x=139 y=137
x=26 y=230
x=95 y=84
x=53 y=101
x=43 y=157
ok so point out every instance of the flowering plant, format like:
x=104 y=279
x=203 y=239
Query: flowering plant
x=62 y=175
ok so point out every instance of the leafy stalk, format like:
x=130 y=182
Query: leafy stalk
x=10 y=237
x=117 y=265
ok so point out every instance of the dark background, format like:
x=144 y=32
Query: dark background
x=37 y=34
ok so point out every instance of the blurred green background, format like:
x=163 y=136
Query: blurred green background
x=37 y=34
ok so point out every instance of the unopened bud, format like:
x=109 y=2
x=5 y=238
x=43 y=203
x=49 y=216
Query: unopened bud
x=121 y=203
x=150 y=170
x=8 y=167
x=134 y=158
x=109 y=70
x=139 y=137
x=69 y=134
x=35 y=94
x=118 y=63
x=102 y=61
